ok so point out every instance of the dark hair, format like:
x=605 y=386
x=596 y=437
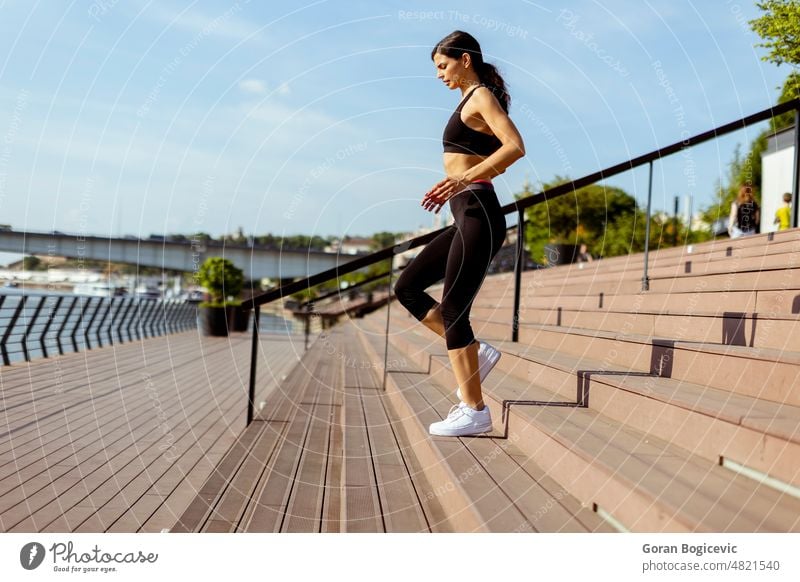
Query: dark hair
x=459 y=42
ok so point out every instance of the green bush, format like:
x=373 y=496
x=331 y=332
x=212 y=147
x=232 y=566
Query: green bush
x=222 y=278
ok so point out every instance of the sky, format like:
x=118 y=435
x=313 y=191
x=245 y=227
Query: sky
x=325 y=117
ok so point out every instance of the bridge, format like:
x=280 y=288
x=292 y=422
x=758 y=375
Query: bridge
x=163 y=253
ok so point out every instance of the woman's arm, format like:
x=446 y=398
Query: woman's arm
x=500 y=124
x=732 y=218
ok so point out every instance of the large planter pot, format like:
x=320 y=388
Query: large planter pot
x=240 y=318
x=214 y=321
x=560 y=254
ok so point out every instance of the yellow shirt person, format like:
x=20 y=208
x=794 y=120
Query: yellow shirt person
x=783 y=216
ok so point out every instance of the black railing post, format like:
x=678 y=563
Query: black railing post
x=388 y=313
x=50 y=318
x=645 y=276
x=116 y=321
x=28 y=330
x=85 y=303
x=144 y=318
x=169 y=323
x=253 y=360
x=91 y=321
x=183 y=319
x=309 y=309
x=155 y=319
x=10 y=328
x=121 y=323
x=136 y=319
x=519 y=265
x=64 y=324
x=796 y=181
x=108 y=302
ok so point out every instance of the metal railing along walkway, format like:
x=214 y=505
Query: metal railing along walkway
x=34 y=326
x=519 y=207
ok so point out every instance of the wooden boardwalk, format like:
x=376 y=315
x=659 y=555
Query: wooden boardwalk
x=325 y=456
x=121 y=438
x=335 y=453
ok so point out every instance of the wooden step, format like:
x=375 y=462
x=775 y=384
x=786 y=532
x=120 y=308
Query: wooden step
x=730 y=328
x=762 y=373
x=645 y=483
x=484 y=484
x=711 y=423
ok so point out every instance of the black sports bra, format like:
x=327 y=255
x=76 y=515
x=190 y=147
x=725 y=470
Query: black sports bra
x=459 y=138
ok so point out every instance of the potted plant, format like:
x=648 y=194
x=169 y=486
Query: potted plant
x=224 y=281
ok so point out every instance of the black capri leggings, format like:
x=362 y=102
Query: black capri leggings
x=461 y=256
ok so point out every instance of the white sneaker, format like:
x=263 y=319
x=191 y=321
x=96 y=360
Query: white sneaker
x=463 y=421
x=488 y=356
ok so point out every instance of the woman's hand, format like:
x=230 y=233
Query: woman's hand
x=442 y=192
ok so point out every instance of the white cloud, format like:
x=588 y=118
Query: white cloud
x=254 y=86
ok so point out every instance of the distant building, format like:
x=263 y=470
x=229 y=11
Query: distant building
x=777 y=166
x=350 y=246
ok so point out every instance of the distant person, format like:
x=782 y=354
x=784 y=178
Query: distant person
x=480 y=141
x=783 y=215
x=745 y=214
x=584 y=256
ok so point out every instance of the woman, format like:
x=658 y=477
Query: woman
x=745 y=214
x=480 y=142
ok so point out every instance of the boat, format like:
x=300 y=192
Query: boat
x=148 y=292
x=99 y=289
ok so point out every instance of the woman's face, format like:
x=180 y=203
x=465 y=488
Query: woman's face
x=449 y=70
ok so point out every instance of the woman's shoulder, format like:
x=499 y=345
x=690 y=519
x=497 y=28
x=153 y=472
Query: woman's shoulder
x=483 y=96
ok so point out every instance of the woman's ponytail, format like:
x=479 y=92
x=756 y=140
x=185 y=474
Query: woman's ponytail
x=490 y=77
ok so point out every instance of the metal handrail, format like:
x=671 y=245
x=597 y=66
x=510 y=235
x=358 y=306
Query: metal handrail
x=519 y=207
x=39 y=323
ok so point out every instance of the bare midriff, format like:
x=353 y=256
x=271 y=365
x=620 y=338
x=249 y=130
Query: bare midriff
x=456 y=164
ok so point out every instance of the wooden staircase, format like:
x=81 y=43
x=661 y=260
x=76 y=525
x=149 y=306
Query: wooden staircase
x=676 y=409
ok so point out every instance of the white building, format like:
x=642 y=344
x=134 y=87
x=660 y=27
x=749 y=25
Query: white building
x=777 y=170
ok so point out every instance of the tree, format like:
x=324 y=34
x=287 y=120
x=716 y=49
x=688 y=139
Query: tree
x=779 y=27
x=31 y=263
x=587 y=215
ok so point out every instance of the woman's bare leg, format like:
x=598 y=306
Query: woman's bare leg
x=465 y=367
x=434 y=322
x=463 y=360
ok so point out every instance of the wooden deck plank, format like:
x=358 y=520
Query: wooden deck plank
x=259 y=439
x=116 y=448
x=435 y=515
x=305 y=505
x=136 y=498
x=268 y=508
x=361 y=507
x=240 y=482
x=70 y=443
x=400 y=503
x=85 y=400
x=332 y=501
x=402 y=511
